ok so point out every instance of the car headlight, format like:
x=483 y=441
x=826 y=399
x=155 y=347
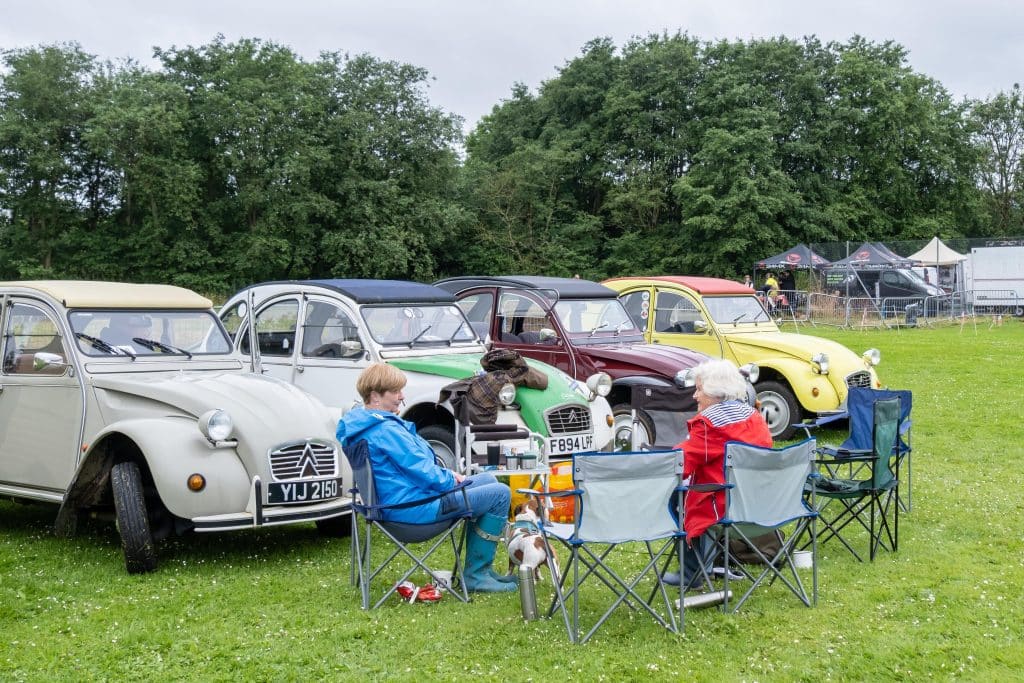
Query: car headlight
x=821 y=361
x=872 y=356
x=507 y=394
x=600 y=384
x=751 y=371
x=216 y=425
x=686 y=378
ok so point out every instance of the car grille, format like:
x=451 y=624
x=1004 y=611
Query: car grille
x=859 y=379
x=304 y=459
x=569 y=420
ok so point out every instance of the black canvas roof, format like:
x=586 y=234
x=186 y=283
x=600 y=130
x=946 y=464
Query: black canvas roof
x=561 y=287
x=380 y=291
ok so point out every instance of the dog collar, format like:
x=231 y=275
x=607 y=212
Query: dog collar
x=528 y=525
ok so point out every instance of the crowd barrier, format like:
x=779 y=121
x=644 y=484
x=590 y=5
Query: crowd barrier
x=816 y=308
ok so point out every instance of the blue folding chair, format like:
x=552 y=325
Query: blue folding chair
x=403 y=535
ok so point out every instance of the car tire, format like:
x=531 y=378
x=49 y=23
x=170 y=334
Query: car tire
x=442 y=441
x=132 y=520
x=622 y=429
x=335 y=527
x=779 y=408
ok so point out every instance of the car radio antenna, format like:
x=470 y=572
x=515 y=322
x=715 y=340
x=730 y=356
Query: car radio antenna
x=254 y=344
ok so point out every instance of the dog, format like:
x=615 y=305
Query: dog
x=525 y=542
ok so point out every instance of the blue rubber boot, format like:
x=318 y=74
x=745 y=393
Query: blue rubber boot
x=481 y=542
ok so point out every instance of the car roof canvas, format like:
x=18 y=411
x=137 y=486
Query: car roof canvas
x=90 y=294
x=563 y=287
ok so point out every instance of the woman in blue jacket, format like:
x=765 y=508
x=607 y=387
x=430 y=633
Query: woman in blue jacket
x=404 y=470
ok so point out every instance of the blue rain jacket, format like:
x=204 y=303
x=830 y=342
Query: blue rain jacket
x=403 y=462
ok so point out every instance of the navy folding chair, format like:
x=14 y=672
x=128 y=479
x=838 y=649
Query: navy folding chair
x=405 y=537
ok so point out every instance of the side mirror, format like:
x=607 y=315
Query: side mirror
x=700 y=326
x=350 y=348
x=43 y=360
x=547 y=334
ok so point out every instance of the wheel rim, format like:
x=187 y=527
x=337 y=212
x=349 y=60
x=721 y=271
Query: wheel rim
x=443 y=455
x=622 y=439
x=775 y=411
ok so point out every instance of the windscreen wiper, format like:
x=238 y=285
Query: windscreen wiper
x=416 y=338
x=154 y=345
x=103 y=346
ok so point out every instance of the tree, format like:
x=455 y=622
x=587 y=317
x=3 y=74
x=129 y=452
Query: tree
x=998 y=125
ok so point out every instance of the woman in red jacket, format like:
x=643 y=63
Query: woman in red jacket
x=723 y=415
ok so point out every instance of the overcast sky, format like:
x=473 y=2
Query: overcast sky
x=476 y=50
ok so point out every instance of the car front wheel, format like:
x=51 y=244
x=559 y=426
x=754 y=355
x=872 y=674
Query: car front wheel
x=442 y=441
x=132 y=520
x=779 y=408
x=622 y=439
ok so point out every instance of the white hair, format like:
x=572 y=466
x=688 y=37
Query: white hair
x=721 y=380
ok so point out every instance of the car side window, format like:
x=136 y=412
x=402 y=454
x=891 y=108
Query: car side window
x=30 y=340
x=520 y=319
x=232 y=319
x=675 y=314
x=328 y=332
x=477 y=309
x=275 y=328
x=638 y=306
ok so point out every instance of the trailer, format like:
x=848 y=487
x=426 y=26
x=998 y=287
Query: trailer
x=995 y=279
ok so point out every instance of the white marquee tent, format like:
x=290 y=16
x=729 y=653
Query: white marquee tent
x=936 y=253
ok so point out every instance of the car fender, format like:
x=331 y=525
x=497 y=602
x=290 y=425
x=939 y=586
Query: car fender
x=802 y=380
x=186 y=452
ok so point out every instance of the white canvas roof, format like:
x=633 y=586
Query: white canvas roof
x=83 y=294
x=936 y=253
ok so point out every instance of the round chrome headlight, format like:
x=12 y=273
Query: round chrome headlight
x=507 y=394
x=751 y=371
x=872 y=356
x=686 y=378
x=821 y=360
x=600 y=384
x=216 y=425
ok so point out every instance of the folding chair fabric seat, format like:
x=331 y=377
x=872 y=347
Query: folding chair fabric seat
x=449 y=532
x=765 y=493
x=870 y=502
x=621 y=498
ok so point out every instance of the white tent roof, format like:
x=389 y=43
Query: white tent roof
x=936 y=253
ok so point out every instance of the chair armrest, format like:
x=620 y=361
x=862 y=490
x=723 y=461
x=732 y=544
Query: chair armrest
x=704 y=488
x=563 y=493
x=421 y=501
x=845 y=454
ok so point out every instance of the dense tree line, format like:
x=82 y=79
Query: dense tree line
x=238 y=162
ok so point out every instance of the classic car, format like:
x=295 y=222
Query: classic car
x=320 y=334
x=124 y=400
x=581 y=328
x=800 y=375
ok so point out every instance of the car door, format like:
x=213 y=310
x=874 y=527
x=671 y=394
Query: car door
x=637 y=303
x=676 y=321
x=41 y=402
x=520 y=317
x=277 y=331
x=331 y=352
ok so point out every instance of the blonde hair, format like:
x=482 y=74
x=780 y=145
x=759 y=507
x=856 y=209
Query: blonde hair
x=379 y=377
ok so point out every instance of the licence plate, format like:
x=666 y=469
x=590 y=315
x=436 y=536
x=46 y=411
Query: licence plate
x=560 y=445
x=303 y=491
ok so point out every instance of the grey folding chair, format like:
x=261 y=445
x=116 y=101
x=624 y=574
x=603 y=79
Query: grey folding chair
x=764 y=494
x=621 y=498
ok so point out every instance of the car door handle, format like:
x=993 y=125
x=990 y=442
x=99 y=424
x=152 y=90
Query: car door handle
x=299 y=368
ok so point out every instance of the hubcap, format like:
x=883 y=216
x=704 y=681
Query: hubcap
x=623 y=438
x=775 y=411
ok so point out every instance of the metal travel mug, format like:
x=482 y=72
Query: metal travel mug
x=527 y=593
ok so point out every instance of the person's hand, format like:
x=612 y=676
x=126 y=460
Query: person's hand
x=458 y=477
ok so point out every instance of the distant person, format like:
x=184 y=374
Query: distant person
x=787 y=283
x=747 y=281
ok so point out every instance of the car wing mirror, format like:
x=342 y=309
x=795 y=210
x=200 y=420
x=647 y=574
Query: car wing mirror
x=351 y=347
x=43 y=360
x=700 y=326
x=547 y=334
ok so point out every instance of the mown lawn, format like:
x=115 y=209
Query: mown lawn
x=277 y=605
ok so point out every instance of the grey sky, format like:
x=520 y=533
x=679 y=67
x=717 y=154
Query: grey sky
x=476 y=50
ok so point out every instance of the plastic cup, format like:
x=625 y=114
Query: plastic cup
x=443 y=578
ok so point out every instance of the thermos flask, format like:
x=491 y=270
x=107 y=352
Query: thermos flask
x=527 y=593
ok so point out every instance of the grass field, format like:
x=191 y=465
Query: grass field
x=276 y=604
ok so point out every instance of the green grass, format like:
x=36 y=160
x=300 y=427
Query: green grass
x=276 y=604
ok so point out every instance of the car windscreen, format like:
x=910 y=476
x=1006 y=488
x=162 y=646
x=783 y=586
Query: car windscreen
x=736 y=309
x=595 y=316
x=417 y=324
x=148 y=332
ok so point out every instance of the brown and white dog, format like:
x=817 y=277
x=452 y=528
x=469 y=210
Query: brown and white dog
x=525 y=542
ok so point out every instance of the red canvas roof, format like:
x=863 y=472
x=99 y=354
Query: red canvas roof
x=703 y=285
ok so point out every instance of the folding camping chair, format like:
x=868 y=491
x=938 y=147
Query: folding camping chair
x=620 y=498
x=872 y=502
x=859 y=410
x=402 y=535
x=764 y=493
